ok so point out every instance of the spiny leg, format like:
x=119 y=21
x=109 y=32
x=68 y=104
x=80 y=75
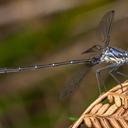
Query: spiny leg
x=113 y=76
x=98 y=81
x=98 y=75
x=121 y=74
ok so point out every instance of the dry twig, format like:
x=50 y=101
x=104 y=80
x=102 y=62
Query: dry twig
x=111 y=114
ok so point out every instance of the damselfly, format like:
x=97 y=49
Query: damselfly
x=105 y=54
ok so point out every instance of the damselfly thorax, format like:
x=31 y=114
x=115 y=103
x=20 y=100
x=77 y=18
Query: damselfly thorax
x=114 y=55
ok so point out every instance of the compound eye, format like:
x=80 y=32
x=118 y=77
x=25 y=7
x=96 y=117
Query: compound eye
x=94 y=60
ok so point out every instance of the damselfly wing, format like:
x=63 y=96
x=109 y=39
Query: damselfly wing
x=103 y=32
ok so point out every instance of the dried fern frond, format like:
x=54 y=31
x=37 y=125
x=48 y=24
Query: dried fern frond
x=112 y=114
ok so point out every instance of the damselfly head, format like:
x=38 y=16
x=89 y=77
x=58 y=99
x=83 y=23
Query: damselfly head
x=95 y=60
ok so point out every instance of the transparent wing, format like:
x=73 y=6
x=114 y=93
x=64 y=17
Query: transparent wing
x=94 y=48
x=105 y=27
x=75 y=83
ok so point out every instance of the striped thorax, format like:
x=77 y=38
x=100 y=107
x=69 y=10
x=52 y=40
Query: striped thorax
x=114 y=55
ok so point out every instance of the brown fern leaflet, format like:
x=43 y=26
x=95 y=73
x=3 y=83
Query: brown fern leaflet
x=111 y=114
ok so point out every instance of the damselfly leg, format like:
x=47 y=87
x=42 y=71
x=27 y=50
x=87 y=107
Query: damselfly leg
x=112 y=69
x=98 y=71
x=122 y=74
x=111 y=72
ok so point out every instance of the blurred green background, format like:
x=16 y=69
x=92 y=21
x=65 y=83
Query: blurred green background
x=46 y=31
